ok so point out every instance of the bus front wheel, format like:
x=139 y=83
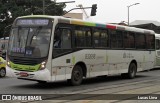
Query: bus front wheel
x=77 y=75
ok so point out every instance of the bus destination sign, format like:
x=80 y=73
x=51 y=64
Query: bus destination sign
x=33 y=22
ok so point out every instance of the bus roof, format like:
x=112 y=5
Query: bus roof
x=62 y=19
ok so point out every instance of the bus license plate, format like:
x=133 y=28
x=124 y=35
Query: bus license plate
x=23 y=74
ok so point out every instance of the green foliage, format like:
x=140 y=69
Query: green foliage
x=11 y=9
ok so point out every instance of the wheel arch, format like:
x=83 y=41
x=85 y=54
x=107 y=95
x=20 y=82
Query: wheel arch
x=135 y=62
x=83 y=66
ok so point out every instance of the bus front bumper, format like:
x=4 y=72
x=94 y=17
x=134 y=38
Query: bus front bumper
x=41 y=75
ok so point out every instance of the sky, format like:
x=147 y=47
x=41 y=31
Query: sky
x=115 y=11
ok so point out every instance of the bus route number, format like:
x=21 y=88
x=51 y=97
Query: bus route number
x=90 y=56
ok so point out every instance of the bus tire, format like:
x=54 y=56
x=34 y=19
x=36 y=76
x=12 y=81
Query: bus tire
x=2 y=72
x=77 y=76
x=132 y=71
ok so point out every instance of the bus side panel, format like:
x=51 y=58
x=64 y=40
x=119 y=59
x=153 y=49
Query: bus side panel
x=144 y=59
x=118 y=62
x=97 y=60
x=149 y=60
x=62 y=67
x=157 y=59
x=157 y=64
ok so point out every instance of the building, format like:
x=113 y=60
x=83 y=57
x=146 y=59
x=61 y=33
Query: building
x=74 y=15
x=147 y=24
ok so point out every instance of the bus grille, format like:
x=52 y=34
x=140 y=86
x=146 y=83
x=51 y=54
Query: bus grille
x=25 y=61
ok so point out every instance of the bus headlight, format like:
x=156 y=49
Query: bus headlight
x=43 y=65
x=8 y=62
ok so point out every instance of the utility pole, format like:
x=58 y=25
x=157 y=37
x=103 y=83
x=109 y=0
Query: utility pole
x=93 y=9
x=128 y=10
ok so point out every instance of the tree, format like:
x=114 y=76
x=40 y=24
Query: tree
x=11 y=9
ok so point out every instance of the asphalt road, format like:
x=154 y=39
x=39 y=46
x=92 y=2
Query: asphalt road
x=144 y=83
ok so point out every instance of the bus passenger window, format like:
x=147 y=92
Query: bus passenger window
x=116 y=39
x=100 y=38
x=82 y=37
x=129 y=40
x=150 y=41
x=157 y=44
x=140 y=41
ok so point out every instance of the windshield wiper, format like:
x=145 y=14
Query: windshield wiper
x=19 y=28
x=36 y=33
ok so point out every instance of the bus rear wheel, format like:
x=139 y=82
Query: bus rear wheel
x=77 y=76
x=131 y=71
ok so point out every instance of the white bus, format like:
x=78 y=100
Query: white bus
x=157 y=57
x=52 y=48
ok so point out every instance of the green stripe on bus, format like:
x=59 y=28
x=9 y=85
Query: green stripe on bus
x=25 y=67
x=106 y=58
x=82 y=23
x=73 y=60
x=89 y=24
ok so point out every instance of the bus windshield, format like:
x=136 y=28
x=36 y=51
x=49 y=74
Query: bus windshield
x=29 y=42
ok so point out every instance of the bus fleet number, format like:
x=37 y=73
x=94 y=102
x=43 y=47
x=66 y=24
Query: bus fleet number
x=90 y=56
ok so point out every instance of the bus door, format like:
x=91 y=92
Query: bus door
x=61 y=56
